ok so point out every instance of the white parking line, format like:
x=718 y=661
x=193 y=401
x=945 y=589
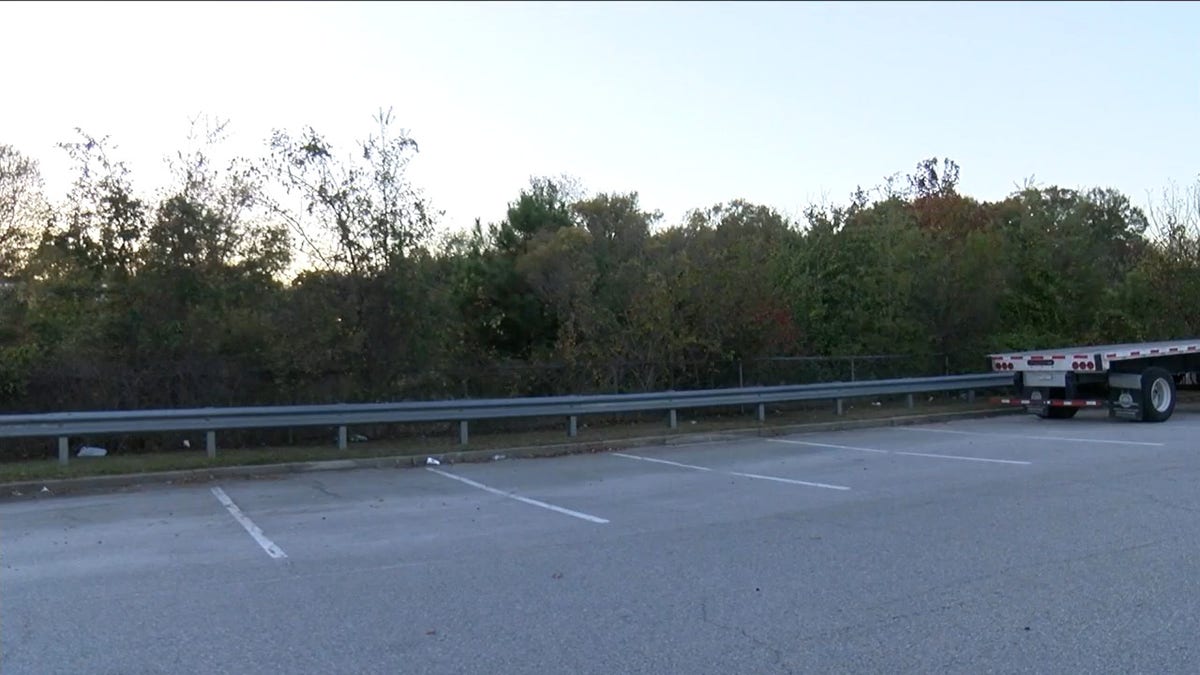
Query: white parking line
x=662 y=461
x=526 y=500
x=900 y=452
x=965 y=459
x=733 y=473
x=266 y=544
x=1030 y=438
x=788 y=480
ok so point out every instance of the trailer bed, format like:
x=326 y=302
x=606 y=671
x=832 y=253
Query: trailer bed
x=1107 y=352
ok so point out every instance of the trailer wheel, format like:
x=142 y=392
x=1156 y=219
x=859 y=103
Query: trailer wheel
x=1158 y=395
x=1058 y=412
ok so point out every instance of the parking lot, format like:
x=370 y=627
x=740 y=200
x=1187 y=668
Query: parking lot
x=1009 y=544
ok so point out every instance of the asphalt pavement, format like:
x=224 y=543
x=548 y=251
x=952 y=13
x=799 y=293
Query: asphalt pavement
x=1005 y=545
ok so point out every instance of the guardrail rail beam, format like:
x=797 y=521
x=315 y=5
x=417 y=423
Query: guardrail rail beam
x=66 y=425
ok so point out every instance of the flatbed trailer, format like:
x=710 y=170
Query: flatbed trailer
x=1137 y=381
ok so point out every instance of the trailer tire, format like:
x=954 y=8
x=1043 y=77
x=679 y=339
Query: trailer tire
x=1058 y=413
x=1158 y=395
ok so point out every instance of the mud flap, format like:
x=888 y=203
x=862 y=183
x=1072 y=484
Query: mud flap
x=1125 y=396
x=1037 y=403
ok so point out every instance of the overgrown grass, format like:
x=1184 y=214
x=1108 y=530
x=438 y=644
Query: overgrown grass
x=690 y=422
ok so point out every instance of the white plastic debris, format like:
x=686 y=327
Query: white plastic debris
x=497 y=458
x=876 y=403
x=358 y=438
x=432 y=461
x=186 y=444
x=91 y=451
x=45 y=489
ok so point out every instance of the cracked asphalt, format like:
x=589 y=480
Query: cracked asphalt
x=1009 y=545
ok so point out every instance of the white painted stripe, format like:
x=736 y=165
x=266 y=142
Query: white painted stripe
x=733 y=473
x=900 y=452
x=789 y=480
x=525 y=500
x=965 y=459
x=826 y=445
x=662 y=461
x=1031 y=438
x=244 y=520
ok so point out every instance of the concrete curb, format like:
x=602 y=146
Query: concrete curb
x=33 y=489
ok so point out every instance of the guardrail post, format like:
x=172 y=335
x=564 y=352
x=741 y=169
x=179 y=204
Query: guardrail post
x=572 y=426
x=463 y=432
x=342 y=437
x=908 y=400
x=674 y=419
x=741 y=381
x=210 y=444
x=64 y=450
x=970 y=395
x=838 y=406
x=762 y=412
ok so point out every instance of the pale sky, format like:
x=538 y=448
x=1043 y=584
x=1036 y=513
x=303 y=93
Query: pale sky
x=688 y=104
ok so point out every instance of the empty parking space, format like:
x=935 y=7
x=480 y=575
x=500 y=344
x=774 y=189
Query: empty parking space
x=901 y=453
x=136 y=535
x=524 y=500
x=1011 y=440
x=1056 y=438
x=652 y=489
x=376 y=518
x=1088 y=428
x=739 y=474
x=864 y=461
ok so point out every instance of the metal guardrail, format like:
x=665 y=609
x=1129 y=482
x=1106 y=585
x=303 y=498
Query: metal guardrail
x=210 y=420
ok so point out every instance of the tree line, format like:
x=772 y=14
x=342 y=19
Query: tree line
x=314 y=275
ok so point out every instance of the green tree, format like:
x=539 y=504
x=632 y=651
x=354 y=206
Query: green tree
x=207 y=283
x=369 y=231
x=737 y=248
x=508 y=319
x=23 y=209
x=1065 y=249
